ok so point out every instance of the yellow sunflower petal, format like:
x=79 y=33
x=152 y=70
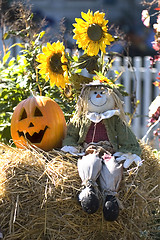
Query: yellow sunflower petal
x=105 y=22
x=66 y=77
x=93 y=49
x=82 y=38
x=99 y=17
x=79 y=21
x=41 y=58
x=88 y=17
x=42 y=65
x=64 y=59
x=84 y=43
x=44 y=50
x=52 y=80
x=49 y=46
x=58 y=46
x=42 y=71
x=56 y=80
x=60 y=81
x=102 y=47
x=54 y=47
x=104 y=29
x=46 y=77
x=108 y=39
x=81 y=29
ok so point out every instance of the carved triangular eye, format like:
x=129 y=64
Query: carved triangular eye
x=23 y=115
x=37 y=113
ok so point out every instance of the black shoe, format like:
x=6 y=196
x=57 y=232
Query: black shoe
x=110 y=208
x=89 y=200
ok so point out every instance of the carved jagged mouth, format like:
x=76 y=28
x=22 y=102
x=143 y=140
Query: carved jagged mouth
x=35 y=138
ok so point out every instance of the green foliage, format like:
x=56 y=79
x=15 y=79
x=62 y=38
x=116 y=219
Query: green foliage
x=18 y=79
x=12 y=91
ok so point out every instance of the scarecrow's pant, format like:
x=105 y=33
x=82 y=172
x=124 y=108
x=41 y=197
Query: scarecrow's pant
x=91 y=167
x=110 y=176
x=109 y=179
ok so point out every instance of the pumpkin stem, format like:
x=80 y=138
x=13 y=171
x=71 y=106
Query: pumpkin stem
x=33 y=93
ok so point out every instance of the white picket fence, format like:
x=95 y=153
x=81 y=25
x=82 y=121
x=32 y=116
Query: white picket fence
x=138 y=76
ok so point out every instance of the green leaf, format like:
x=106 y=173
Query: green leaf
x=88 y=62
x=17 y=44
x=41 y=34
x=6 y=36
x=30 y=17
x=116 y=72
x=6 y=56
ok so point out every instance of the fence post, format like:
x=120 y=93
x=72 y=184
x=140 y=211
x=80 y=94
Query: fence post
x=147 y=89
x=136 y=126
x=127 y=82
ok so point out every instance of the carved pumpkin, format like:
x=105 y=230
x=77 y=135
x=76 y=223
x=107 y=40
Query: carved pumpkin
x=39 y=121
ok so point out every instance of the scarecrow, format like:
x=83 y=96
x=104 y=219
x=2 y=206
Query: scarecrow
x=99 y=133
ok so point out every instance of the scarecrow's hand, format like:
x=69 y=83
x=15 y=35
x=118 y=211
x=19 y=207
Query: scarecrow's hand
x=70 y=149
x=128 y=159
x=76 y=151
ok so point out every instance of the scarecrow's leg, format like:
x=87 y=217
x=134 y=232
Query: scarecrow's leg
x=89 y=168
x=110 y=178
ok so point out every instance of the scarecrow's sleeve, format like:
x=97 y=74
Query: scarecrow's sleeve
x=72 y=136
x=126 y=139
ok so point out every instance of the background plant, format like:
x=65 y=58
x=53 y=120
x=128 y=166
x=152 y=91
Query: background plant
x=18 y=76
x=154 y=109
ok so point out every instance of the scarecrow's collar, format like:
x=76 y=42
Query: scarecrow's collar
x=97 y=117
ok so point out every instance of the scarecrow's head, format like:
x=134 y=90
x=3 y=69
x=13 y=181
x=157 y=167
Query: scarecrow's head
x=98 y=97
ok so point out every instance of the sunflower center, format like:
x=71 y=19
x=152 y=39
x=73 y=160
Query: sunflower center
x=56 y=64
x=95 y=32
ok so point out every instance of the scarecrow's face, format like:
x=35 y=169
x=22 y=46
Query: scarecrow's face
x=100 y=100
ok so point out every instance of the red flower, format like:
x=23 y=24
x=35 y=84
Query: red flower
x=156 y=46
x=157 y=84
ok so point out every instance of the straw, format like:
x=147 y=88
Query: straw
x=38 y=198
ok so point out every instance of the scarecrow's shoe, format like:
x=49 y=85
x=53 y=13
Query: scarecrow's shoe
x=89 y=200
x=110 y=208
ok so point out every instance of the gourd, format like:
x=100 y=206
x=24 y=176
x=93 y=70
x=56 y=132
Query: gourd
x=39 y=121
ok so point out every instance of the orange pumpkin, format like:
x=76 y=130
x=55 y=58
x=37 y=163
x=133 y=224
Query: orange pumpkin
x=39 y=121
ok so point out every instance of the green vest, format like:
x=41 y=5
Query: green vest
x=120 y=135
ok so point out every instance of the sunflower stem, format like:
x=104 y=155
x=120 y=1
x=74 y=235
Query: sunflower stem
x=102 y=62
x=40 y=90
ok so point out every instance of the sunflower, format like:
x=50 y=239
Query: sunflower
x=91 y=33
x=53 y=64
x=103 y=79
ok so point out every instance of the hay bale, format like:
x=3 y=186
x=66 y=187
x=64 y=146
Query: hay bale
x=38 y=199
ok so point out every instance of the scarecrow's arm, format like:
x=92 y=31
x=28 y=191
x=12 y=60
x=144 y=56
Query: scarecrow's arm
x=128 y=147
x=127 y=141
x=72 y=136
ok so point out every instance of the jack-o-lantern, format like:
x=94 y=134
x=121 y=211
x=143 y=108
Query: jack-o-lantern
x=38 y=120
